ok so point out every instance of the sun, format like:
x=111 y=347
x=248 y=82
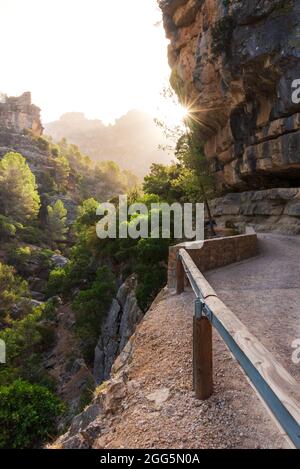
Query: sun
x=180 y=113
x=171 y=113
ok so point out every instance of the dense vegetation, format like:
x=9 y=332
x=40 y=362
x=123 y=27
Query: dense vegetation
x=73 y=172
x=27 y=414
x=19 y=198
x=34 y=227
x=95 y=264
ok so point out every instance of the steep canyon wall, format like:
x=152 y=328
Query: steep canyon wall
x=234 y=63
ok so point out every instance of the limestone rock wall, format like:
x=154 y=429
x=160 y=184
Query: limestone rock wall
x=20 y=129
x=233 y=63
x=122 y=319
x=18 y=113
x=276 y=210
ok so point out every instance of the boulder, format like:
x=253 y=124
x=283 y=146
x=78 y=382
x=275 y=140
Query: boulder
x=59 y=260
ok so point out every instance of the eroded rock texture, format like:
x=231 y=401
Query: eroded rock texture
x=20 y=129
x=271 y=210
x=234 y=62
x=122 y=319
x=17 y=114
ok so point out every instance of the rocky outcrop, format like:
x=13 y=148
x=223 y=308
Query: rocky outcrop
x=21 y=131
x=26 y=145
x=233 y=64
x=18 y=113
x=276 y=210
x=119 y=326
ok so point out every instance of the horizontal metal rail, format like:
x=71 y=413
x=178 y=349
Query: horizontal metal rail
x=276 y=387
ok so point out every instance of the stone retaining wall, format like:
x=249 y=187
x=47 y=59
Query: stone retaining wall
x=216 y=252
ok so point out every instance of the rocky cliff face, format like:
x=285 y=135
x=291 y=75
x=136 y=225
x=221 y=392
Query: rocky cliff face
x=17 y=114
x=20 y=128
x=272 y=210
x=119 y=326
x=234 y=62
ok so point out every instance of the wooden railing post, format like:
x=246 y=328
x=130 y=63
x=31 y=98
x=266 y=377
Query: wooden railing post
x=179 y=276
x=202 y=357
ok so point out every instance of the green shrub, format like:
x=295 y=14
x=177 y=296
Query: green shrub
x=43 y=144
x=22 y=339
x=7 y=228
x=32 y=235
x=23 y=257
x=12 y=289
x=44 y=256
x=87 y=215
x=28 y=414
x=152 y=255
x=150 y=281
x=18 y=257
x=57 y=281
x=50 y=309
x=26 y=341
x=78 y=273
x=54 y=150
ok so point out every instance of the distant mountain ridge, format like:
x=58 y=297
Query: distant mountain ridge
x=132 y=142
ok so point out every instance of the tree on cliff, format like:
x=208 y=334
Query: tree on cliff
x=62 y=171
x=19 y=198
x=56 y=221
x=12 y=289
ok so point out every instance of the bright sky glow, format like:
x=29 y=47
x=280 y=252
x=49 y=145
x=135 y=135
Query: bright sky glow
x=100 y=57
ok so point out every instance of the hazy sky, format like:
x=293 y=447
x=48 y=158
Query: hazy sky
x=102 y=57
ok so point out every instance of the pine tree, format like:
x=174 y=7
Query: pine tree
x=19 y=198
x=56 y=221
x=62 y=171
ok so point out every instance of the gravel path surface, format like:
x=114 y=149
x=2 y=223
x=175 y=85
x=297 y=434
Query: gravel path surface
x=159 y=409
x=264 y=292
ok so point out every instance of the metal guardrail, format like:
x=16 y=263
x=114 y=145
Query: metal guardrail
x=276 y=389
